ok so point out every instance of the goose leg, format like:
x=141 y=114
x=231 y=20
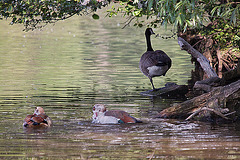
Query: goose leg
x=152 y=83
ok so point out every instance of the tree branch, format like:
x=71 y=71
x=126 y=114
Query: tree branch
x=204 y=62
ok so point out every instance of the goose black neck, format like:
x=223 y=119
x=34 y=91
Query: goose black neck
x=149 y=46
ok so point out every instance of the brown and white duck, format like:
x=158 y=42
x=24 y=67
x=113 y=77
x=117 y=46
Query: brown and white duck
x=102 y=116
x=154 y=63
x=38 y=120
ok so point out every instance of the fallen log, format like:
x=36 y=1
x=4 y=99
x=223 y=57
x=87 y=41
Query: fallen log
x=232 y=75
x=171 y=90
x=218 y=99
x=207 y=84
x=222 y=100
x=228 y=77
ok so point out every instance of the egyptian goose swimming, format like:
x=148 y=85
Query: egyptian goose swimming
x=102 y=116
x=154 y=63
x=38 y=120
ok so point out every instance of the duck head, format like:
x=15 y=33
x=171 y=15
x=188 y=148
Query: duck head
x=39 y=110
x=38 y=120
x=99 y=116
x=98 y=110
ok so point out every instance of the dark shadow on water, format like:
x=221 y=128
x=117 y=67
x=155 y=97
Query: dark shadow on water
x=36 y=130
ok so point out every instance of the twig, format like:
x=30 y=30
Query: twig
x=207 y=109
x=216 y=112
x=225 y=65
x=151 y=156
x=198 y=42
x=229 y=113
x=219 y=56
x=128 y=22
x=224 y=59
x=193 y=114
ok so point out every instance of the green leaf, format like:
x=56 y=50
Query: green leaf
x=185 y=27
x=137 y=12
x=10 y=8
x=233 y=17
x=95 y=16
x=140 y=25
x=150 y=3
x=214 y=10
x=178 y=5
x=54 y=14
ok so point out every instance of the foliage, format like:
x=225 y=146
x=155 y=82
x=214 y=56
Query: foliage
x=35 y=13
x=225 y=34
x=183 y=14
x=224 y=16
x=179 y=13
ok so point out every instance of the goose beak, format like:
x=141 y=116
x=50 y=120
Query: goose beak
x=152 y=32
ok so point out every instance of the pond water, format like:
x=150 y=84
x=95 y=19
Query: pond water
x=68 y=67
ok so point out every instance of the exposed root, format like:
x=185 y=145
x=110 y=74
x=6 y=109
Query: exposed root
x=211 y=110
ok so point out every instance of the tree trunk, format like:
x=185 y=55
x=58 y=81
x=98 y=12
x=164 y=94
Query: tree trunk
x=216 y=100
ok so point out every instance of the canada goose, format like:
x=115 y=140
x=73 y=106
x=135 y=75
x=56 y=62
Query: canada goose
x=102 y=116
x=38 y=120
x=154 y=63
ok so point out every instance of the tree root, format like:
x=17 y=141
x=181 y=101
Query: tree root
x=211 y=110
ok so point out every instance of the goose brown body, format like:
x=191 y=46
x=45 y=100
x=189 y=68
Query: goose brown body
x=102 y=116
x=154 y=63
x=38 y=120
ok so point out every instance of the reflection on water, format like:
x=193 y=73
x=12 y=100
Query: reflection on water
x=153 y=139
x=69 y=67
